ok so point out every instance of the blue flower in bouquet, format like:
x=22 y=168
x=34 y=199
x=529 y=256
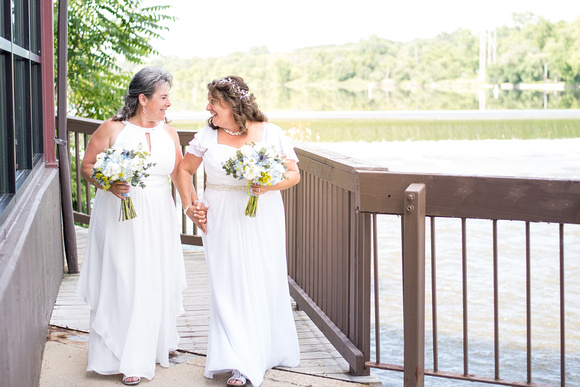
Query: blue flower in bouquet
x=126 y=165
x=260 y=164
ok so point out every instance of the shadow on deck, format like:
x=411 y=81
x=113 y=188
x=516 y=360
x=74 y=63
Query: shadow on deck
x=65 y=353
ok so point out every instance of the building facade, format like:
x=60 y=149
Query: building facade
x=31 y=236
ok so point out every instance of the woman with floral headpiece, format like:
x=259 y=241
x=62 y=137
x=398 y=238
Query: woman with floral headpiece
x=251 y=323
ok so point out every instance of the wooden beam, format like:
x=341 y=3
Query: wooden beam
x=505 y=198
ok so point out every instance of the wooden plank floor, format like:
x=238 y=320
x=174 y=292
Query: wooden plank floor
x=318 y=356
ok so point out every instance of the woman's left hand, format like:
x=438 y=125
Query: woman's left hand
x=260 y=189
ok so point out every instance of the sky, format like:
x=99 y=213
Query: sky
x=217 y=28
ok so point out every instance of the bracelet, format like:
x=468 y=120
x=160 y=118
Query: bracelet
x=189 y=205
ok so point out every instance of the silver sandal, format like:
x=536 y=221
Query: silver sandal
x=132 y=383
x=237 y=377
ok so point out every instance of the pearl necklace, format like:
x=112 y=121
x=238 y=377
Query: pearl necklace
x=232 y=133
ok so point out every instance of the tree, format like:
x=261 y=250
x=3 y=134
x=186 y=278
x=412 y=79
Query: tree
x=563 y=49
x=101 y=34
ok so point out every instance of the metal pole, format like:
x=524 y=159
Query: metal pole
x=70 y=242
x=376 y=288
x=414 y=285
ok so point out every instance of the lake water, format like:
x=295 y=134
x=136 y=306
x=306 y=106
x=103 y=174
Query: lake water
x=559 y=158
x=372 y=98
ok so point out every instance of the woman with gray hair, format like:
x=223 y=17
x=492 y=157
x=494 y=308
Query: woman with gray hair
x=133 y=272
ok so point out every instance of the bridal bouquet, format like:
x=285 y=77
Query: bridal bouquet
x=122 y=165
x=260 y=165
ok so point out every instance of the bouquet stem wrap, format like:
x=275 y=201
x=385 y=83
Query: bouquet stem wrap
x=127 y=208
x=252 y=205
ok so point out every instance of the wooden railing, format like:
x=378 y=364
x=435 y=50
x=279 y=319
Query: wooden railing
x=466 y=198
x=329 y=251
x=331 y=220
x=332 y=244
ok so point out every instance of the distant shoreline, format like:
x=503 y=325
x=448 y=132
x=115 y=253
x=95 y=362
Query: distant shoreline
x=403 y=114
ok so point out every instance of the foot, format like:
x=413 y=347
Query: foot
x=131 y=380
x=237 y=380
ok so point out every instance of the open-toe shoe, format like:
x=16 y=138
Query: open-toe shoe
x=236 y=378
x=128 y=382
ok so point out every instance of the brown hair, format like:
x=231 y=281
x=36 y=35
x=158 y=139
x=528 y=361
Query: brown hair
x=233 y=91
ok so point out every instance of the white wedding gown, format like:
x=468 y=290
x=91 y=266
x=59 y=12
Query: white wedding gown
x=252 y=327
x=133 y=272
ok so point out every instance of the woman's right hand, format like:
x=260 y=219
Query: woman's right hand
x=197 y=212
x=119 y=188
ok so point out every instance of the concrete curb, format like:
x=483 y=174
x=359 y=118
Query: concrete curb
x=65 y=358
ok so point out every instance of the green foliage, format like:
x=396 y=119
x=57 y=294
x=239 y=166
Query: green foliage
x=533 y=45
x=100 y=34
x=563 y=50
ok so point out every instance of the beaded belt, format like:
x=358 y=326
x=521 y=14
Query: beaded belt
x=225 y=187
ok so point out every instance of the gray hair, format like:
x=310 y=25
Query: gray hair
x=145 y=82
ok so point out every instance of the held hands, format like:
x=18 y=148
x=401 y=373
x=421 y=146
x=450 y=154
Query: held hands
x=197 y=213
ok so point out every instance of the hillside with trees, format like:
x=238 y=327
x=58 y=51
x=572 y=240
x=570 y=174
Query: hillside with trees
x=372 y=74
x=450 y=60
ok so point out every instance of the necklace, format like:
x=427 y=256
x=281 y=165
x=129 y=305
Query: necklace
x=232 y=133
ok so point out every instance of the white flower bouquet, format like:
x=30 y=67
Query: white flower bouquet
x=114 y=165
x=260 y=165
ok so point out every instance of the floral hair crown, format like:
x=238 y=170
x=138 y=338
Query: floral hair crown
x=241 y=93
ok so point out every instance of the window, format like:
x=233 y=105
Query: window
x=4 y=22
x=21 y=122
x=20 y=26
x=5 y=129
x=36 y=113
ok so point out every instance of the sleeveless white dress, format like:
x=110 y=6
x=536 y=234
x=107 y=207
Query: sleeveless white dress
x=133 y=272
x=251 y=327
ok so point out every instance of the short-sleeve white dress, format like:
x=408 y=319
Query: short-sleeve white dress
x=252 y=327
x=133 y=271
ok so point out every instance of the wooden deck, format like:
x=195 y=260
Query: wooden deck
x=318 y=356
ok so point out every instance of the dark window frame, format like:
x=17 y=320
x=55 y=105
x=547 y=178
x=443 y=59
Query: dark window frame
x=21 y=98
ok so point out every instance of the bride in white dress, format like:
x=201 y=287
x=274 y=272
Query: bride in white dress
x=251 y=323
x=133 y=272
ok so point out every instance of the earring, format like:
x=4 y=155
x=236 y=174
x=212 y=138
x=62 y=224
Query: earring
x=144 y=111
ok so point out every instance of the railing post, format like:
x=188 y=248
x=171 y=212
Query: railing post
x=414 y=284
x=70 y=239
